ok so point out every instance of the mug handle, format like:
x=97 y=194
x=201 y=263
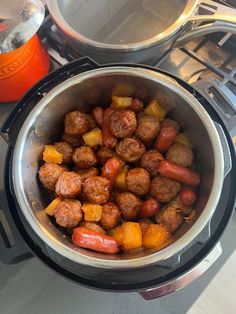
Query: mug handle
x=219 y=18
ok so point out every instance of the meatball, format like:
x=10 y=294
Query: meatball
x=104 y=154
x=68 y=184
x=180 y=155
x=130 y=149
x=110 y=215
x=84 y=157
x=87 y=173
x=138 y=181
x=129 y=204
x=76 y=123
x=93 y=226
x=150 y=161
x=123 y=123
x=164 y=189
x=73 y=141
x=148 y=128
x=49 y=174
x=66 y=150
x=170 y=123
x=170 y=216
x=68 y=213
x=96 y=189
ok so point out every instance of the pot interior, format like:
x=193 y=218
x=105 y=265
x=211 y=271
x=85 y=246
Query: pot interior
x=44 y=125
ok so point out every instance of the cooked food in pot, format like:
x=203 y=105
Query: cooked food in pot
x=121 y=177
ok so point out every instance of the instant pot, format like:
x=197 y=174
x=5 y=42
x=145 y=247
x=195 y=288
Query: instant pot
x=37 y=119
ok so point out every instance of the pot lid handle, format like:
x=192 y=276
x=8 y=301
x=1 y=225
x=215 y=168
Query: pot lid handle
x=219 y=18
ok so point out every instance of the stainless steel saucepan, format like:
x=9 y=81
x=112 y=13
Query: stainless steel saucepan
x=44 y=125
x=137 y=30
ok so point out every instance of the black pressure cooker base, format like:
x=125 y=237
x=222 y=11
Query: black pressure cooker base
x=137 y=280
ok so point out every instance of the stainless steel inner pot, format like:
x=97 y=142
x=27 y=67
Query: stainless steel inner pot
x=44 y=124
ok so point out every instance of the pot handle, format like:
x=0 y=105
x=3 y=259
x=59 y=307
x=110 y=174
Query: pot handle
x=220 y=17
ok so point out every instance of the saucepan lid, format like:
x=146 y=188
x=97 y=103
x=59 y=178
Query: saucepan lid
x=120 y=24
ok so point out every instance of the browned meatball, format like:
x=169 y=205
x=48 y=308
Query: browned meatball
x=93 y=226
x=92 y=123
x=129 y=204
x=180 y=155
x=138 y=181
x=66 y=150
x=170 y=216
x=68 y=184
x=123 y=123
x=96 y=189
x=73 y=141
x=87 y=173
x=164 y=189
x=110 y=215
x=104 y=153
x=68 y=213
x=130 y=149
x=76 y=123
x=148 y=128
x=84 y=157
x=49 y=174
x=150 y=161
x=170 y=123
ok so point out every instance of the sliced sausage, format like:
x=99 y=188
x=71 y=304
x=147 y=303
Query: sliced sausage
x=98 y=114
x=84 y=157
x=76 y=123
x=136 y=106
x=138 y=181
x=96 y=189
x=68 y=213
x=49 y=174
x=92 y=124
x=188 y=196
x=180 y=155
x=129 y=204
x=179 y=173
x=150 y=208
x=148 y=128
x=92 y=240
x=66 y=150
x=110 y=215
x=130 y=149
x=165 y=139
x=108 y=138
x=111 y=169
x=68 y=184
x=123 y=123
x=170 y=216
x=164 y=189
x=150 y=161
x=104 y=153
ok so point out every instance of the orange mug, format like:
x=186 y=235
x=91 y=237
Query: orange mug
x=21 y=68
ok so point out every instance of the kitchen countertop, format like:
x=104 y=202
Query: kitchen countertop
x=30 y=287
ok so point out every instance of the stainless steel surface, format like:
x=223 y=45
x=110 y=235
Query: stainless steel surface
x=186 y=278
x=114 y=37
x=83 y=92
x=19 y=21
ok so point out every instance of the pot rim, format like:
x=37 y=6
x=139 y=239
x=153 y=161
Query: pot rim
x=152 y=258
x=152 y=41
